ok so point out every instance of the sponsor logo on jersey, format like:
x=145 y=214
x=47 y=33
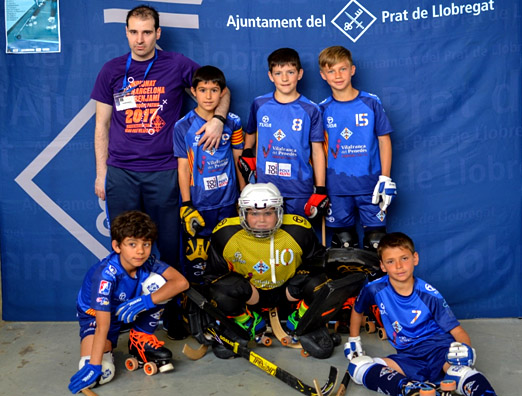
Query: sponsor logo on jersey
x=266 y=150
x=225 y=137
x=265 y=122
x=430 y=288
x=238 y=258
x=285 y=170
x=215 y=182
x=330 y=122
x=122 y=296
x=102 y=300
x=112 y=269
x=104 y=288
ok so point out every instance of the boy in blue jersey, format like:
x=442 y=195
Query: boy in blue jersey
x=113 y=293
x=431 y=345
x=359 y=154
x=207 y=178
x=284 y=140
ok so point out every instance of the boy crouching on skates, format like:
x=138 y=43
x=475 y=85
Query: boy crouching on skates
x=111 y=294
x=431 y=345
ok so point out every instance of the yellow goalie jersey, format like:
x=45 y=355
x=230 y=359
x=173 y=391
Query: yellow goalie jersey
x=268 y=262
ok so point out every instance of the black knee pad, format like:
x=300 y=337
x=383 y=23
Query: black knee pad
x=372 y=237
x=231 y=293
x=304 y=286
x=344 y=238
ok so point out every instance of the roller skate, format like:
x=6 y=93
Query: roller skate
x=148 y=352
x=418 y=388
x=255 y=325
x=373 y=323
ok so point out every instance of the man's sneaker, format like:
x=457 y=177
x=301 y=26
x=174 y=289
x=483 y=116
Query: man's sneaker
x=254 y=325
x=418 y=388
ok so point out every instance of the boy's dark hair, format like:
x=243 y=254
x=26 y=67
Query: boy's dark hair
x=284 y=56
x=133 y=224
x=395 y=240
x=209 y=73
x=333 y=55
x=144 y=12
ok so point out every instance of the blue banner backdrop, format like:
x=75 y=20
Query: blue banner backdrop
x=447 y=72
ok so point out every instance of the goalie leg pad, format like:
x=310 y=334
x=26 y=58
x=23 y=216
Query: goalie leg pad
x=231 y=293
x=318 y=343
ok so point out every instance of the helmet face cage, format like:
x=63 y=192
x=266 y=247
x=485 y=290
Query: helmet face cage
x=260 y=196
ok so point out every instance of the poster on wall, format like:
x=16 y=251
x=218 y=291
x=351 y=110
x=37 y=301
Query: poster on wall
x=32 y=26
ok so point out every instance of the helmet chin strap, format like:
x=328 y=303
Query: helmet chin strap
x=272 y=259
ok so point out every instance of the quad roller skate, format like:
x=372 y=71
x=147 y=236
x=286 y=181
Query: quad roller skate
x=148 y=352
x=415 y=388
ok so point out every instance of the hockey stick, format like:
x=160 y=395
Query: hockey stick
x=275 y=371
x=344 y=384
x=88 y=392
x=251 y=356
x=194 y=354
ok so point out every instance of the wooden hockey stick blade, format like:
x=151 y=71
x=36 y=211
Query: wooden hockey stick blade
x=194 y=354
x=88 y=392
x=278 y=331
x=344 y=384
x=318 y=388
x=273 y=370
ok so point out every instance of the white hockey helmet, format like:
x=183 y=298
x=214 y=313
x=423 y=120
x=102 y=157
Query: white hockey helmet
x=260 y=196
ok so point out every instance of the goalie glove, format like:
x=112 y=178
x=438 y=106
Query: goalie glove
x=192 y=220
x=247 y=165
x=384 y=192
x=317 y=203
x=353 y=348
x=460 y=354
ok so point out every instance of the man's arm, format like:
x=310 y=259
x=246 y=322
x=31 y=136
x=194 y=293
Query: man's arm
x=385 y=153
x=101 y=146
x=214 y=128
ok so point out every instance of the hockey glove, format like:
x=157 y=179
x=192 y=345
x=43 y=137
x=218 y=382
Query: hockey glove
x=353 y=348
x=85 y=377
x=247 y=165
x=128 y=310
x=317 y=203
x=460 y=354
x=384 y=192
x=192 y=220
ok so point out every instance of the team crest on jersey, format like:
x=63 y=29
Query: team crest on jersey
x=265 y=122
x=261 y=267
x=397 y=327
x=279 y=135
x=225 y=137
x=104 y=288
x=381 y=215
x=346 y=133
x=211 y=151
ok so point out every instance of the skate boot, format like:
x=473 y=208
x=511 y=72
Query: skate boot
x=293 y=319
x=148 y=352
x=418 y=388
x=253 y=323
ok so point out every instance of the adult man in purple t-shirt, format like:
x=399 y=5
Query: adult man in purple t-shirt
x=138 y=99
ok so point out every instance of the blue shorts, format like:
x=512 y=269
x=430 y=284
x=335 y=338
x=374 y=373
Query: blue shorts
x=214 y=216
x=341 y=213
x=295 y=206
x=424 y=361
x=88 y=326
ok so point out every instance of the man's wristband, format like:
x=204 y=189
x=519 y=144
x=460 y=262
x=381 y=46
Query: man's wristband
x=220 y=118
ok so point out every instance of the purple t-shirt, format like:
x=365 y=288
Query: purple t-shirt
x=140 y=138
